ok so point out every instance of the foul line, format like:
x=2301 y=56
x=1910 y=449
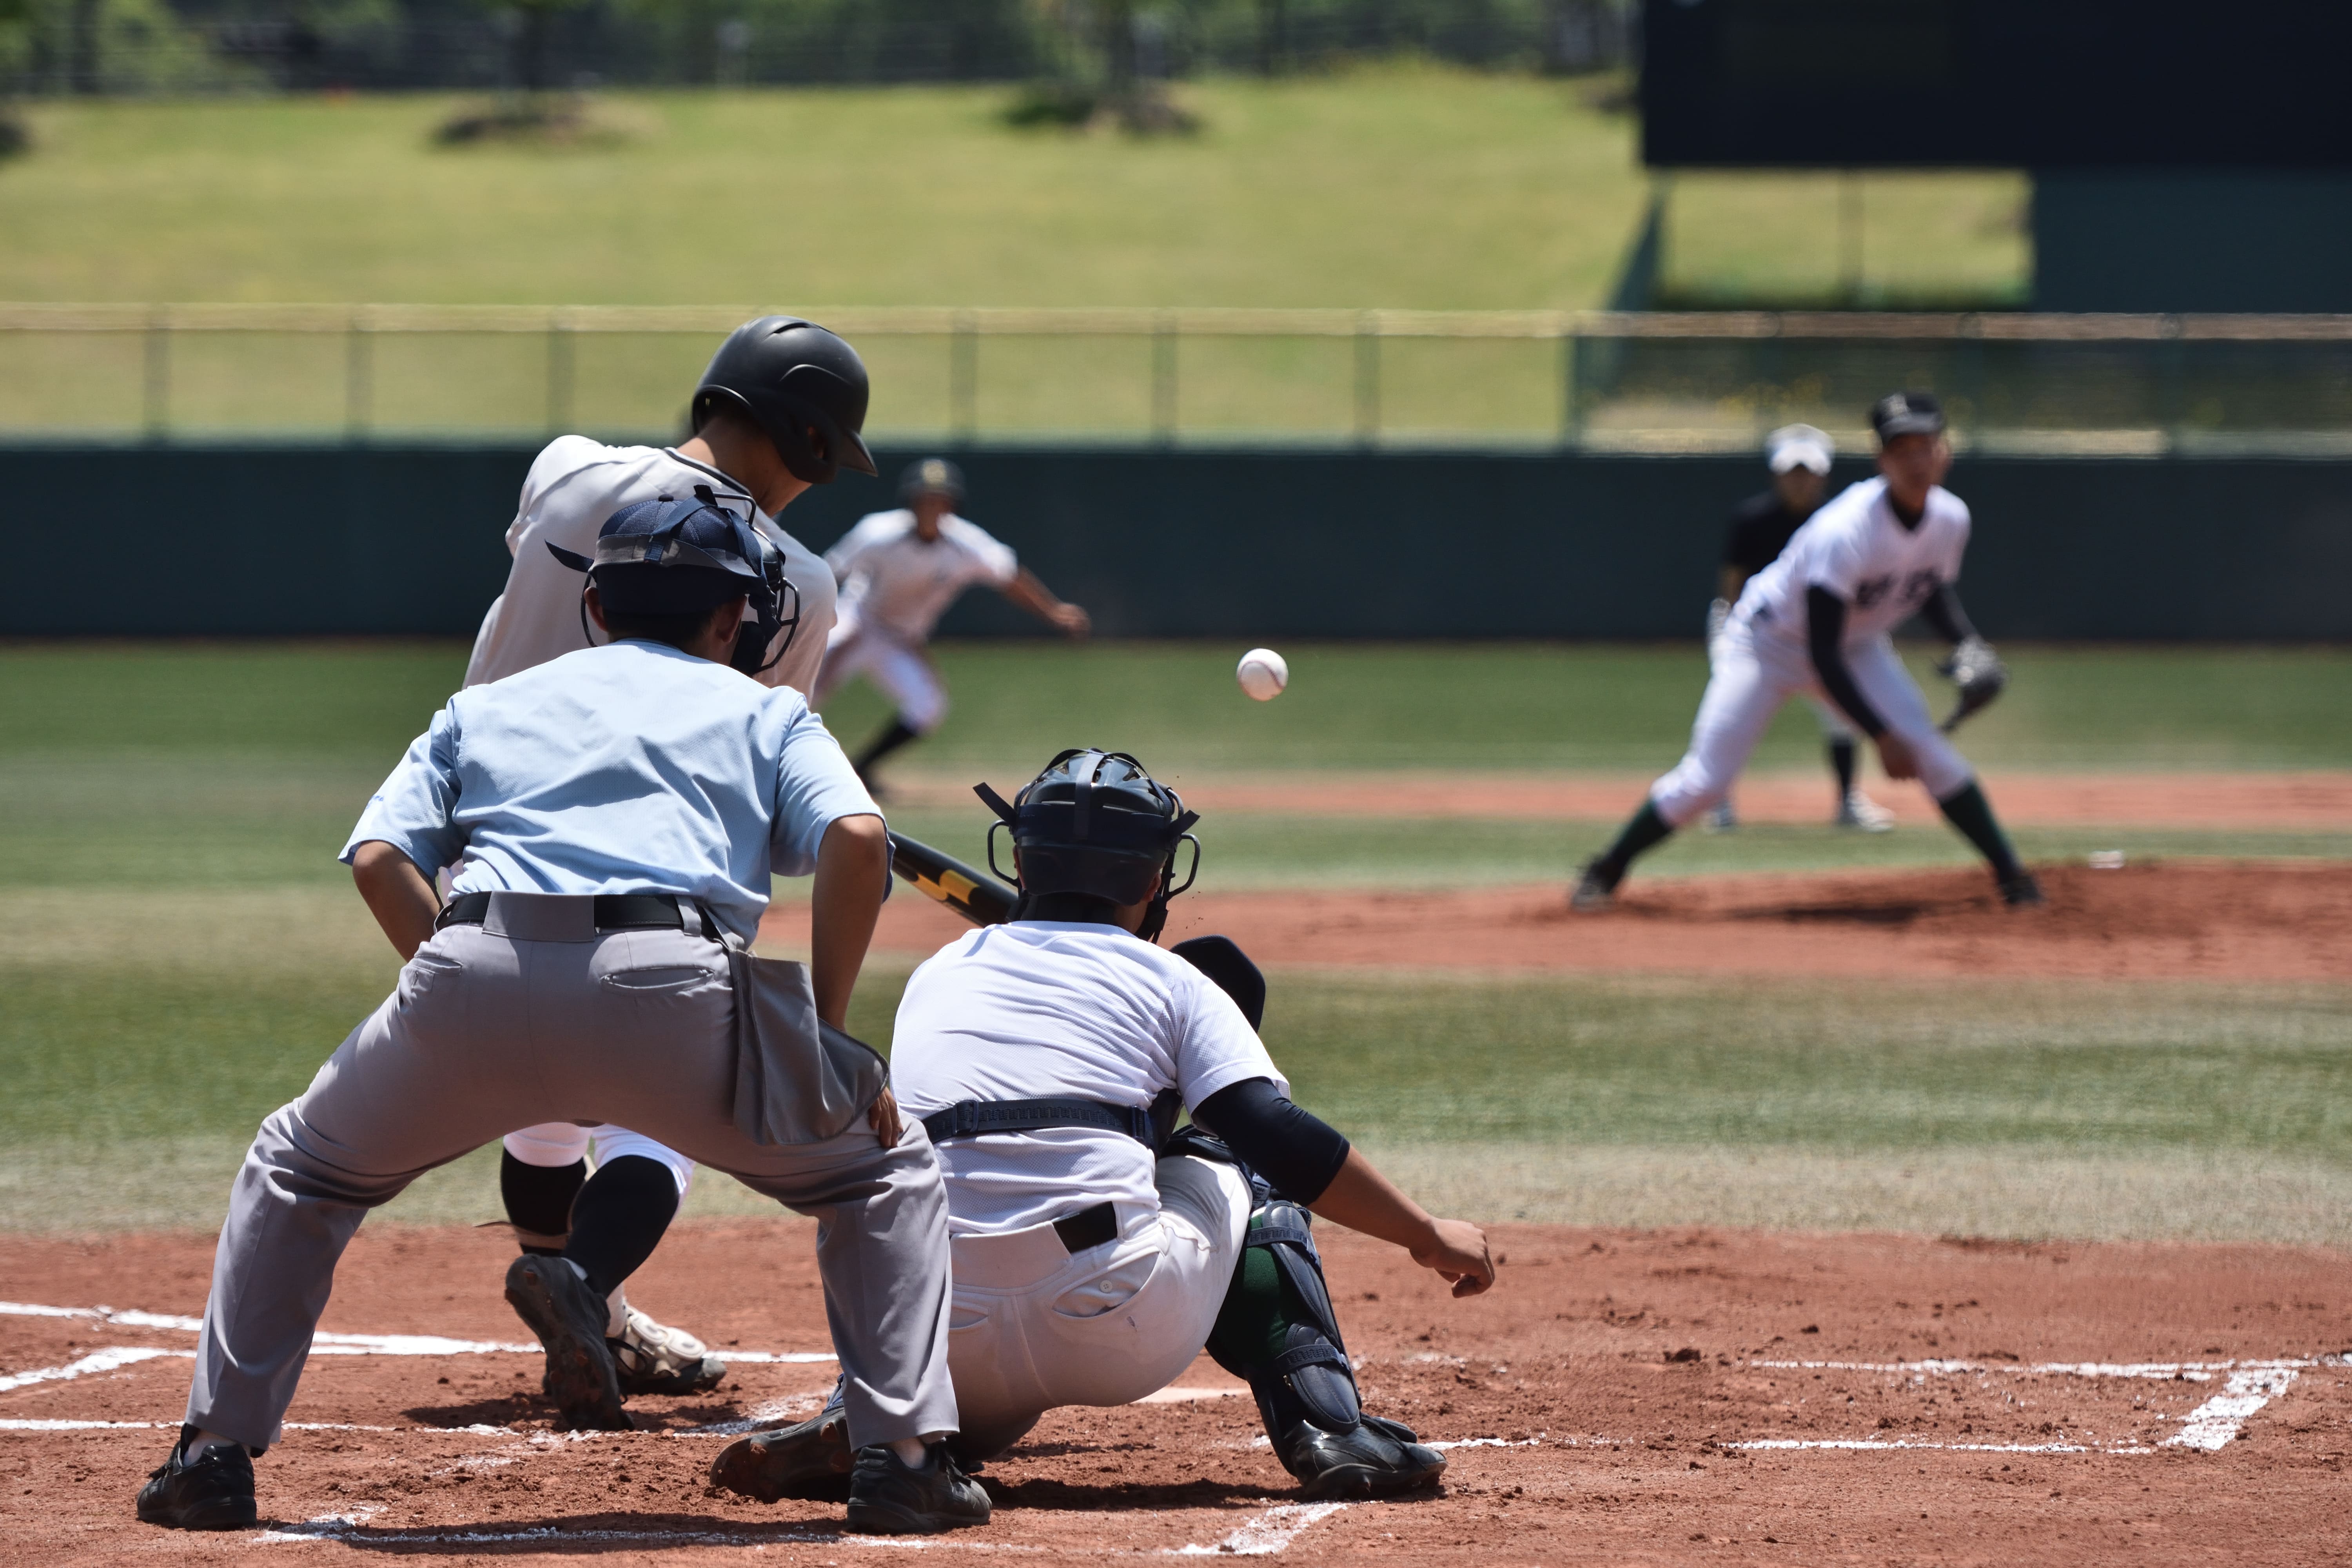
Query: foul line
x=1265 y=1534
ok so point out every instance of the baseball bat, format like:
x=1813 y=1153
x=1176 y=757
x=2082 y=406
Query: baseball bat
x=975 y=895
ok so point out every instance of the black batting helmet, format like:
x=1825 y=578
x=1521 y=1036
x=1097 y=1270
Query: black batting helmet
x=1094 y=823
x=790 y=376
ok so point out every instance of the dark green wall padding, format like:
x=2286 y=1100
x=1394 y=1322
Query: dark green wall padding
x=327 y=541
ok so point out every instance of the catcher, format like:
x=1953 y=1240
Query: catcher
x=1820 y=618
x=1097 y=1251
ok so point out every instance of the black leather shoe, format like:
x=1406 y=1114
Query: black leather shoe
x=1375 y=1457
x=885 y=1497
x=549 y=1295
x=216 y=1492
x=810 y=1461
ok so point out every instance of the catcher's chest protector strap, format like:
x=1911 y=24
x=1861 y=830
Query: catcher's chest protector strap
x=977 y=1117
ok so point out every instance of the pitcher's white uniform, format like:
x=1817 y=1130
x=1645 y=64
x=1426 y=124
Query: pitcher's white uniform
x=1855 y=547
x=572 y=487
x=893 y=587
x=1042 y=1010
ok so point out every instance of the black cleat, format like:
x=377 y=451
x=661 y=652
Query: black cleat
x=549 y=1295
x=810 y=1461
x=2021 y=891
x=1375 y=1457
x=885 y=1497
x=1595 y=889
x=216 y=1492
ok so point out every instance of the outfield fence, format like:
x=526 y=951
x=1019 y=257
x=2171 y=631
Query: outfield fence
x=1592 y=380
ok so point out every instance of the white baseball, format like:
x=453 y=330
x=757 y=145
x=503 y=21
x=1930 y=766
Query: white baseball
x=1262 y=674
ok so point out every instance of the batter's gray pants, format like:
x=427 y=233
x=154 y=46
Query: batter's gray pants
x=494 y=1027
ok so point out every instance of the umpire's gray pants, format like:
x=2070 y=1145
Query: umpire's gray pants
x=489 y=1030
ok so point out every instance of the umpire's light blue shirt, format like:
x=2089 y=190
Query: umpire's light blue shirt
x=630 y=768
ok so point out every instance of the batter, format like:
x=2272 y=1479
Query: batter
x=898 y=572
x=1820 y=619
x=780 y=408
x=1096 y=1251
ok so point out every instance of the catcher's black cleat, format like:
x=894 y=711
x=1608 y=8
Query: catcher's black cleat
x=886 y=1497
x=214 y=1492
x=2021 y=891
x=549 y=1295
x=1375 y=1457
x=810 y=1461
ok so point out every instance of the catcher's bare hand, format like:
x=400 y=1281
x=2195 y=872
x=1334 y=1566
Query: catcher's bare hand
x=883 y=1117
x=1895 y=754
x=1456 y=1249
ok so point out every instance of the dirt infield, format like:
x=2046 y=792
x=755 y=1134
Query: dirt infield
x=1691 y=1396
x=2315 y=802
x=2208 y=921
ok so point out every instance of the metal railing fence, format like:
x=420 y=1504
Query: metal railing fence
x=1593 y=379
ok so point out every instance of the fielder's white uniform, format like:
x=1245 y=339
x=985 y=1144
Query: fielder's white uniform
x=1855 y=547
x=1042 y=1010
x=573 y=487
x=894 y=586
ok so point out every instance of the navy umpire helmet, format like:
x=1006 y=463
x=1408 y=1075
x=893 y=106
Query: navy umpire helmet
x=687 y=555
x=1095 y=823
x=790 y=377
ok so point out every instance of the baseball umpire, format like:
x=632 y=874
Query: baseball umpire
x=898 y=572
x=1821 y=618
x=780 y=408
x=614 y=817
x=1799 y=457
x=1097 y=1250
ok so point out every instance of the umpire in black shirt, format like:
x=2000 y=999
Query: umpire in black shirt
x=1799 y=456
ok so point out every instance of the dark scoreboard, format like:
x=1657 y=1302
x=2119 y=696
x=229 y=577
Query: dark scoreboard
x=2042 y=84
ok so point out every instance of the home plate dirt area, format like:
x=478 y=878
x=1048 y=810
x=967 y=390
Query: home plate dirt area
x=1682 y=1396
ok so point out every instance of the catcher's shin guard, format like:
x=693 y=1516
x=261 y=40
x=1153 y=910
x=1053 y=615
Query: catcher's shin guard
x=1278 y=1332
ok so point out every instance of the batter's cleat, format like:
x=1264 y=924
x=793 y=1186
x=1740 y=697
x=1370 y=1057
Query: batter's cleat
x=1724 y=818
x=810 y=1461
x=215 y=1492
x=2021 y=891
x=569 y=1318
x=653 y=1358
x=1595 y=889
x=888 y=1497
x=1375 y=1457
x=1859 y=812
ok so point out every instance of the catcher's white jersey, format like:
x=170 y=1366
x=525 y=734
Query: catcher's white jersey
x=573 y=485
x=1039 y=1010
x=895 y=582
x=1856 y=547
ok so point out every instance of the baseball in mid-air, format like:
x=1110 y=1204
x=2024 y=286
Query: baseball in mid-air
x=1262 y=674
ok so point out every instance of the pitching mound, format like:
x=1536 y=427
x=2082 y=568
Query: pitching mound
x=2184 y=920
x=1650 y=1396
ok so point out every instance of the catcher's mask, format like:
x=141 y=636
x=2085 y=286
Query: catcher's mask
x=1094 y=823
x=675 y=556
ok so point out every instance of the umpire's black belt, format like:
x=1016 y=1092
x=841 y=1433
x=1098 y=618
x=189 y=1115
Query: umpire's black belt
x=976 y=1118
x=614 y=911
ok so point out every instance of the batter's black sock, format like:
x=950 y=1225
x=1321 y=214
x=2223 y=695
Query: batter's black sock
x=883 y=744
x=1972 y=813
x=1646 y=831
x=619 y=1218
x=1842 y=764
x=539 y=1200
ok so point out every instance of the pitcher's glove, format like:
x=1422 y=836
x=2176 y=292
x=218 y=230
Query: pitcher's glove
x=1978 y=671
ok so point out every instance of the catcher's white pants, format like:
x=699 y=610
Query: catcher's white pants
x=1031 y=1326
x=900 y=671
x=1752 y=676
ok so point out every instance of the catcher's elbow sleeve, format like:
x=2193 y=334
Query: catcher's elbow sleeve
x=1294 y=1150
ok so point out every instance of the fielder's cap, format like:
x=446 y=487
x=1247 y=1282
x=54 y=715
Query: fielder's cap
x=1798 y=447
x=673 y=556
x=1906 y=414
x=931 y=477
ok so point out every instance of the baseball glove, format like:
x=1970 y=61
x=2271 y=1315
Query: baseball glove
x=1978 y=671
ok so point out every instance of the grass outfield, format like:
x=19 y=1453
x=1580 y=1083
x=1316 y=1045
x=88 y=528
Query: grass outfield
x=183 y=952
x=1403 y=186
